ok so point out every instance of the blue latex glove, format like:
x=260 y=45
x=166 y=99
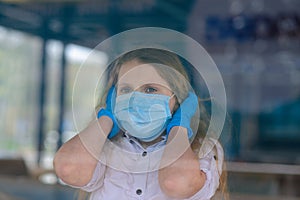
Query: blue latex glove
x=183 y=115
x=108 y=111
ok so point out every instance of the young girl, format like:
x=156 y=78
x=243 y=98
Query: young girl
x=144 y=143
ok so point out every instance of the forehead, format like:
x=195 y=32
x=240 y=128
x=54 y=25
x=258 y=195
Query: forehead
x=137 y=74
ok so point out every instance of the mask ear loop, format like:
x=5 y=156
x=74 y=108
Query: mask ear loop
x=176 y=103
x=172 y=95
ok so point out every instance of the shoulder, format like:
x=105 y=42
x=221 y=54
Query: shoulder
x=212 y=151
x=211 y=158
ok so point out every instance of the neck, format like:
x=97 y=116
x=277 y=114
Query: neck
x=147 y=144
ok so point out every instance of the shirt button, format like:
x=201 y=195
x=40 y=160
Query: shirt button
x=144 y=153
x=138 y=191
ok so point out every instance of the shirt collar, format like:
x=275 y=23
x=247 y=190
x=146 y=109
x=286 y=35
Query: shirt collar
x=134 y=141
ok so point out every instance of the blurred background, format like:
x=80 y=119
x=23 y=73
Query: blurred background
x=255 y=44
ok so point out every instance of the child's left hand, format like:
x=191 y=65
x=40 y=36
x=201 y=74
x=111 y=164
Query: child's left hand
x=183 y=115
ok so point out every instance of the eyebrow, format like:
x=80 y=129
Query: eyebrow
x=125 y=84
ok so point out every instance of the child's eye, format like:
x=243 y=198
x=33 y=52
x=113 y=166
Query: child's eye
x=150 y=90
x=125 y=90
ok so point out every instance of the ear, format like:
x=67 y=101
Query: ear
x=173 y=104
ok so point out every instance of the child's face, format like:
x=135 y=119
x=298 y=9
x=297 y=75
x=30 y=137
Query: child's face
x=134 y=76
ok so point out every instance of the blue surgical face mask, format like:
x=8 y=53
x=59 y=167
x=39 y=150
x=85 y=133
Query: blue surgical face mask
x=143 y=116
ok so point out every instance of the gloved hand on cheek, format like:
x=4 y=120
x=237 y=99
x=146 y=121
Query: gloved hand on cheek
x=108 y=111
x=183 y=115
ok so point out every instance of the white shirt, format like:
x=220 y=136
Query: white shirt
x=118 y=177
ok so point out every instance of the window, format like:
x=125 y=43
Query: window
x=19 y=83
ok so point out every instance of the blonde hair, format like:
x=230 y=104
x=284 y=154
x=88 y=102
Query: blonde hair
x=157 y=58
x=177 y=79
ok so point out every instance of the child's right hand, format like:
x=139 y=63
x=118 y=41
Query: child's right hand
x=108 y=111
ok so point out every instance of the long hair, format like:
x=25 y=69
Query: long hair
x=178 y=81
